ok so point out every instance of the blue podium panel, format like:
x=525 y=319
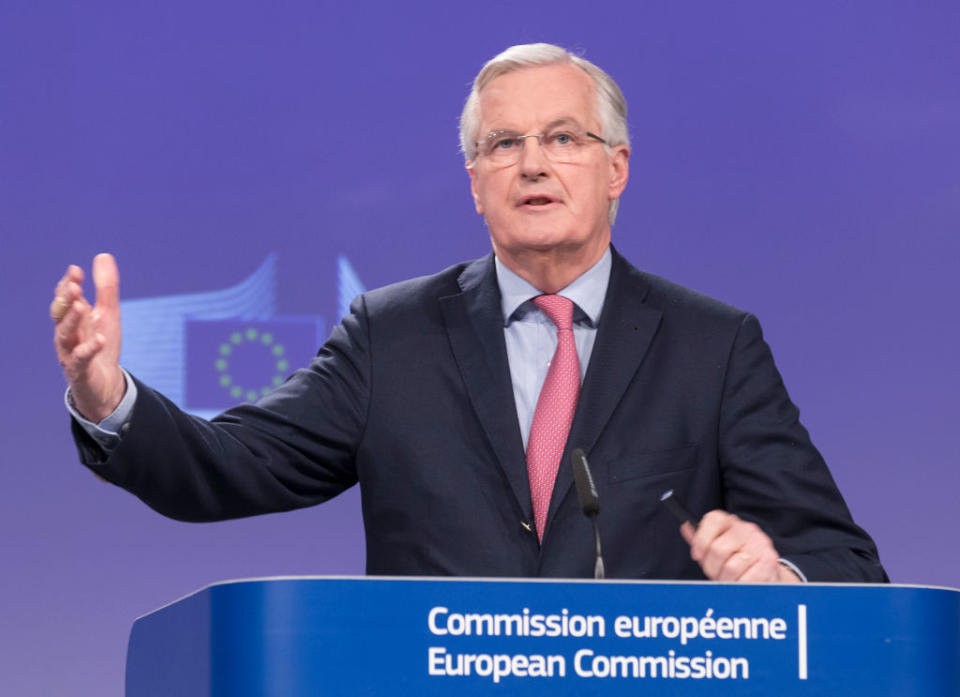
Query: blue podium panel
x=375 y=636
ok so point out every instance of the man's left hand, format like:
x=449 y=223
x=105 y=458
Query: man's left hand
x=730 y=549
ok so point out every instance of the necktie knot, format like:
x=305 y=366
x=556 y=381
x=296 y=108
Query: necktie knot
x=558 y=308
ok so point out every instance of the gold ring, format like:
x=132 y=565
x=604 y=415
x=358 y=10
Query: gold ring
x=58 y=308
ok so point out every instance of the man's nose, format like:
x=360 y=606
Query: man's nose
x=533 y=161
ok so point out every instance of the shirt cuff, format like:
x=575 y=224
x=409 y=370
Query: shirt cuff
x=793 y=567
x=107 y=432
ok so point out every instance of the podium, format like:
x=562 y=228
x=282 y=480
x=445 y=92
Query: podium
x=301 y=636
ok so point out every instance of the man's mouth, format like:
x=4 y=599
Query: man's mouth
x=537 y=201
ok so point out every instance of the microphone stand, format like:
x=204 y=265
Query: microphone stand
x=590 y=502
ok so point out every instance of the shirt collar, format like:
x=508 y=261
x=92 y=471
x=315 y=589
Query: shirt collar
x=587 y=291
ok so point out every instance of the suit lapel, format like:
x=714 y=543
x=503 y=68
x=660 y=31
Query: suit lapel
x=627 y=327
x=474 y=321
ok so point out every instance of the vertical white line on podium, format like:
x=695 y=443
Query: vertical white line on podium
x=802 y=641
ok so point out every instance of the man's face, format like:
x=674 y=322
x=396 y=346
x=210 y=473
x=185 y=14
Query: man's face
x=538 y=205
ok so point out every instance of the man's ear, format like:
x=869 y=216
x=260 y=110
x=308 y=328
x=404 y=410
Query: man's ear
x=619 y=170
x=473 y=188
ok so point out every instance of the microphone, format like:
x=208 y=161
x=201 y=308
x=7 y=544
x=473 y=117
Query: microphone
x=589 y=502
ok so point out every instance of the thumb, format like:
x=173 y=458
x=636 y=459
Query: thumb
x=106 y=279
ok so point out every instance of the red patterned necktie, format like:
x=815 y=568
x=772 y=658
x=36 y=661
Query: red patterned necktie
x=555 y=407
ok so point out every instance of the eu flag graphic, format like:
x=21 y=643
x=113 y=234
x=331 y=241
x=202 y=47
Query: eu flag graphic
x=235 y=361
x=211 y=350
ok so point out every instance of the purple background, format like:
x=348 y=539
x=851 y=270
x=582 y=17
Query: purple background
x=799 y=160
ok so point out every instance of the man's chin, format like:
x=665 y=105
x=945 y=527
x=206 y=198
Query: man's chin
x=540 y=245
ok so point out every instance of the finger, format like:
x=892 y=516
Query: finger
x=712 y=525
x=735 y=549
x=58 y=308
x=720 y=552
x=68 y=288
x=68 y=332
x=73 y=274
x=736 y=566
x=687 y=531
x=750 y=554
x=106 y=278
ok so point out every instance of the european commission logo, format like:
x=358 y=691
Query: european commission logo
x=210 y=351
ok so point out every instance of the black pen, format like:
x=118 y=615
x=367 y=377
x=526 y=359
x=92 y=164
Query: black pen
x=670 y=500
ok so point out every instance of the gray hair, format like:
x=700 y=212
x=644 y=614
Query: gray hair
x=611 y=109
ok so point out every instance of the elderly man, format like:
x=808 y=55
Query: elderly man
x=454 y=400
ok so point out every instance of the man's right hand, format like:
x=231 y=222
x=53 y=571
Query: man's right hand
x=87 y=338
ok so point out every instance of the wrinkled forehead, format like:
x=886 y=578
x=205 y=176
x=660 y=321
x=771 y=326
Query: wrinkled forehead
x=531 y=99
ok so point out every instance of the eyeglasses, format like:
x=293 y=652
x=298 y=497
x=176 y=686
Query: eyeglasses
x=503 y=148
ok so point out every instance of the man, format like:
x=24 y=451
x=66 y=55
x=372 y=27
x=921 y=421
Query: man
x=456 y=399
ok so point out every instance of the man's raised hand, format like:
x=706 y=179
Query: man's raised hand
x=87 y=338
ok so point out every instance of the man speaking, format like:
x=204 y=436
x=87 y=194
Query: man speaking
x=455 y=400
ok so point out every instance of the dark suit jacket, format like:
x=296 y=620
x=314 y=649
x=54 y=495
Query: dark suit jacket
x=411 y=396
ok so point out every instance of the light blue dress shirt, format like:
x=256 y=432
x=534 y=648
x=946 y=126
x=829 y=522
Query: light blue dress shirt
x=107 y=432
x=532 y=338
